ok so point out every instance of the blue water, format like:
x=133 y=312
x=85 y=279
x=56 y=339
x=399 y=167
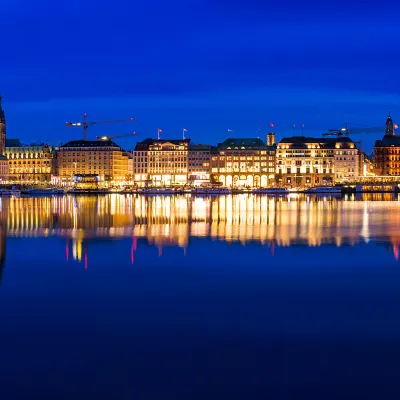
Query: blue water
x=183 y=298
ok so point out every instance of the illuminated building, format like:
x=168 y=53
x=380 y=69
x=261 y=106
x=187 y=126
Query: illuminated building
x=92 y=157
x=308 y=161
x=161 y=162
x=200 y=163
x=140 y=154
x=387 y=152
x=367 y=167
x=347 y=160
x=31 y=163
x=4 y=169
x=244 y=162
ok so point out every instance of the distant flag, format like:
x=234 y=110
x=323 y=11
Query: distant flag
x=294 y=126
x=230 y=130
x=183 y=132
x=158 y=133
x=396 y=126
x=271 y=125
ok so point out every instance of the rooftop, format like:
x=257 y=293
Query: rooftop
x=144 y=144
x=388 y=141
x=90 y=143
x=199 y=147
x=249 y=143
x=13 y=143
x=324 y=142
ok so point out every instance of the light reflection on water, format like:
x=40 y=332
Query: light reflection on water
x=270 y=297
x=174 y=220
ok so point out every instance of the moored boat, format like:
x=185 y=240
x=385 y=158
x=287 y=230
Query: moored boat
x=211 y=191
x=10 y=192
x=157 y=191
x=324 y=190
x=273 y=191
x=43 y=191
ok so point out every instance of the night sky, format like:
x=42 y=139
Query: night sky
x=203 y=65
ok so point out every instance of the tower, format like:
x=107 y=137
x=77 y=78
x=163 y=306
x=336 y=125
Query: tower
x=389 y=126
x=270 y=139
x=2 y=128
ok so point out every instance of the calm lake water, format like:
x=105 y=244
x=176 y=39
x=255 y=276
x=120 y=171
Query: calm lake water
x=130 y=297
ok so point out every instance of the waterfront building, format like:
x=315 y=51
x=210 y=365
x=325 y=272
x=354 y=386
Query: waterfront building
x=140 y=164
x=367 y=166
x=309 y=161
x=244 y=162
x=4 y=169
x=347 y=160
x=200 y=163
x=30 y=163
x=161 y=162
x=92 y=157
x=387 y=152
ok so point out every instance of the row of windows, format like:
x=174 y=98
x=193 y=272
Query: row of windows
x=28 y=162
x=28 y=155
x=216 y=158
x=344 y=158
x=308 y=171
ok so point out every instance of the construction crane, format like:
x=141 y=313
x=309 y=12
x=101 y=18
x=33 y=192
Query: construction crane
x=85 y=123
x=115 y=137
x=345 y=131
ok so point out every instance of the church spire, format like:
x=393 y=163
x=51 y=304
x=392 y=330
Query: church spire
x=2 y=115
x=389 y=126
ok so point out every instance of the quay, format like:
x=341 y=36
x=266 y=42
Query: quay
x=371 y=187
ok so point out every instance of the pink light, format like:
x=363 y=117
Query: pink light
x=85 y=258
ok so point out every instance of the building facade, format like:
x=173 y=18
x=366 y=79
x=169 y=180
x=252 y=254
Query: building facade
x=387 y=152
x=4 y=169
x=162 y=162
x=305 y=161
x=347 y=160
x=140 y=156
x=243 y=162
x=199 y=167
x=29 y=164
x=92 y=157
x=367 y=165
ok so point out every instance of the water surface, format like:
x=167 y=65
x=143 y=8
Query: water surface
x=240 y=296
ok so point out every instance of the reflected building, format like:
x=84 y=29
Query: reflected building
x=163 y=221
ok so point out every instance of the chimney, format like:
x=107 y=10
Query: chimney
x=270 y=139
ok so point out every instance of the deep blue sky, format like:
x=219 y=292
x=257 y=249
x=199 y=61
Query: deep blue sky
x=203 y=65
